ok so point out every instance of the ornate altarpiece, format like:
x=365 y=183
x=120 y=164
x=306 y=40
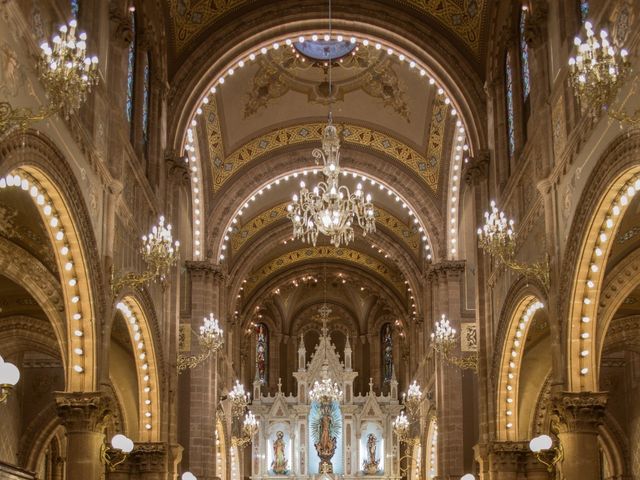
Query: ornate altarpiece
x=361 y=417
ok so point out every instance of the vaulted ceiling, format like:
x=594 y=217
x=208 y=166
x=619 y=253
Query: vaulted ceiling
x=463 y=21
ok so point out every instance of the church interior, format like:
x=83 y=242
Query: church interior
x=324 y=239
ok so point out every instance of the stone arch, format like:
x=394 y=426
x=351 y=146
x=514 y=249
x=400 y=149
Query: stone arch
x=32 y=163
x=614 y=180
x=145 y=348
x=619 y=283
x=431 y=449
x=512 y=339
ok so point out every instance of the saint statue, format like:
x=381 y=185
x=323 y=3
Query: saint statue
x=279 y=463
x=371 y=465
x=387 y=352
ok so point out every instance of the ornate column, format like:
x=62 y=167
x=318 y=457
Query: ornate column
x=578 y=415
x=199 y=386
x=505 y=458
x=151 y=460
x=446 y=280
x=83 y=415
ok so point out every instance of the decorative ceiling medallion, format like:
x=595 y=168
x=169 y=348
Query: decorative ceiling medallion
x=367 y=69
x=325 y=49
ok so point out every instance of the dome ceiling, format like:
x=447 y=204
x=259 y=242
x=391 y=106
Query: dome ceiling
x=464 y=21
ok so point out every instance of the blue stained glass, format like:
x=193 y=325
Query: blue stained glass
x=262 y=349
x=131 y=66
x=145 y=101
x=511 y=134
x=75 y=8
x=584 y=10
x=524 y=56
x=387 y=353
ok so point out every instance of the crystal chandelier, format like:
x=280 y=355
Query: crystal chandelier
x=598 y=70
x=239 y=399
x=159 y=251
x=211 y=339
x=249 y=428
x=444 y=339
x=67 y=73
x=401 y=426
x=325 y=391
x=413 y=398
x=497 y=237
x=330 y=208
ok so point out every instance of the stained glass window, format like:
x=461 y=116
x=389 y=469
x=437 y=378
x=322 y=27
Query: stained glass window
x=75 y=8
x=131 y=66
x=145 y=100
x=584 y=10
x=524 y=56
x=262 y=350
x=387 y=353
x=511 y=134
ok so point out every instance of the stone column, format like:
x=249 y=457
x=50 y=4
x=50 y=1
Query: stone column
x=198 y=386
x=82 y=415
x=505 y=458
x=578 y=416
x=151 y=460
x=445 y=279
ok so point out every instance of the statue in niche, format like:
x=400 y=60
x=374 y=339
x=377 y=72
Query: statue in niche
x=371 y=466
x=326 y=426
x=279 y=463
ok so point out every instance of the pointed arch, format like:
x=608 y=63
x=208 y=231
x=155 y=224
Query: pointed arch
x=607 y=193
x=30 y=162
x=147 y=367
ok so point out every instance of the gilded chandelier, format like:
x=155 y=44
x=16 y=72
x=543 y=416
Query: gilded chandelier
x=67 y=73
x=444 y=340
x=598 y=70
x=330 y=208
x=249 y=428
x=239 y=399
x=211 y=339
x=159 y=251
x=497 y=237
x=326 y=391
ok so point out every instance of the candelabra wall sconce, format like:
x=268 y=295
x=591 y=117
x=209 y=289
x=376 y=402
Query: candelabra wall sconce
x=597 y=73
x=406 y=426
x=249 y=429
x=211 y=339
x=444 y=340
x=116 y=453
x=497 y=237
x=9 y=377
x=68 y=75
x=546 y=452
x=159 y=251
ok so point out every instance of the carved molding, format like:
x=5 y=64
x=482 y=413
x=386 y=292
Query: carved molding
x=83 y=411
x=579 y=412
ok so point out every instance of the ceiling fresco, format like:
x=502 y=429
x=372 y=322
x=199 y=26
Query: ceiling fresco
x=463 y=19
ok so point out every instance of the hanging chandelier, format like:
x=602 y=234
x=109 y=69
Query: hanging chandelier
x=330 y=208
x=598 y=70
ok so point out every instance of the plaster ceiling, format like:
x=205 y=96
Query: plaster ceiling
x=464 y=21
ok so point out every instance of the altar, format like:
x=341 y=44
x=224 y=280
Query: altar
x=365 y=445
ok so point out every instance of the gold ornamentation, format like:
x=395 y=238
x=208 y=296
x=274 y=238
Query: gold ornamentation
x=465 y=18
x=409 y=235
x=309 y=253
x=367 y=69
x=312 y=133
x=214 y=133
x=436 y=133
x=211 y=339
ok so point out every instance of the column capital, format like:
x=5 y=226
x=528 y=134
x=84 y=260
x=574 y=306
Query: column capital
x=477 y=169
x=151 y=457
x=579 y=412
x=506 y=456
x=83 y=411
x=204 y=267
x=446 y=268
